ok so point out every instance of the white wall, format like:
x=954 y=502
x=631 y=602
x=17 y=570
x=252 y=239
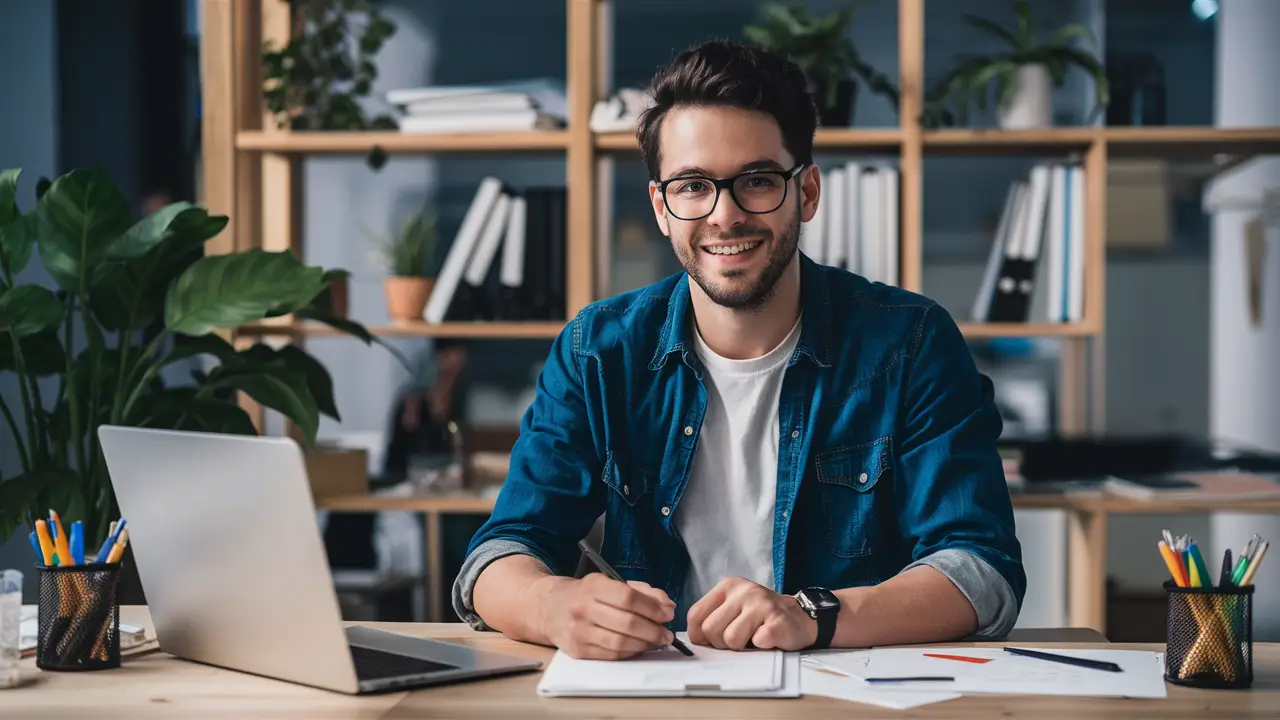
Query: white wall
x=1245 y=406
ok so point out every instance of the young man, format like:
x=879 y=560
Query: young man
x=785 y=454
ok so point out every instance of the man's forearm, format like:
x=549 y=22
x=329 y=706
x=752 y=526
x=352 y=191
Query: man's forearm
x=509 y=595
x=919 y=605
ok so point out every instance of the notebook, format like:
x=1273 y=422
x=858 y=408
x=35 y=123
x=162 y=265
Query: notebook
x=667 y=673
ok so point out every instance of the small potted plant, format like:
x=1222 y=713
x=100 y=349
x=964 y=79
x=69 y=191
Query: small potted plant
x=409 y=255
x=318 y=80
x=1024 y=75
x=830 y=61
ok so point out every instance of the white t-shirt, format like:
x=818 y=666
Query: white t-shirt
x=725 y=515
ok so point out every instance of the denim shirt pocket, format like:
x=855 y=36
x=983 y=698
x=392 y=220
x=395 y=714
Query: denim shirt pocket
x=628 y=510
x=847 y=478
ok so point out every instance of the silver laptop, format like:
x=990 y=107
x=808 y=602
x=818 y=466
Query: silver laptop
x=225 y=537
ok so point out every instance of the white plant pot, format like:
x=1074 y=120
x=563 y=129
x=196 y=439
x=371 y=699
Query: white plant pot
x=1031 y=101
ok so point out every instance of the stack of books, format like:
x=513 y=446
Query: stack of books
x=856 y=225
x=1035 y=271
x=507 y=261
x=499 y=107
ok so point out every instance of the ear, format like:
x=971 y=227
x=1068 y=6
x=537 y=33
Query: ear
x=810 y=190
x=659 y=209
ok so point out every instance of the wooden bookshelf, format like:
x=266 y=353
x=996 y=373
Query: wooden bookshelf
x=1008 y=142
x=252 y=173
x=358 y=143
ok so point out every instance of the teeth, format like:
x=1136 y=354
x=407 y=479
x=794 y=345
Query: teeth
x=731 y=249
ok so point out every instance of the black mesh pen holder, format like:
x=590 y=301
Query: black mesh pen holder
x=79 y=620
x=1209 y=638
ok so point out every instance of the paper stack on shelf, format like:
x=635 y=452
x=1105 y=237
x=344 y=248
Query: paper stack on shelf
x=511 y=106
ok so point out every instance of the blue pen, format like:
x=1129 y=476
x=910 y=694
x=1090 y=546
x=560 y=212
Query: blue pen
x=107 y=544
x=35 y=545
x=77 y=542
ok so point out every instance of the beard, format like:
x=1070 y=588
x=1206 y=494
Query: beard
x=733 y=288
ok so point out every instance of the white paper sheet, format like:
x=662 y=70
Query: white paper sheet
x=815 y=680
x=1142 y=673
x=668 y=673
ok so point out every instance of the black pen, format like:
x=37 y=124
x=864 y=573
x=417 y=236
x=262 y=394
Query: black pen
x=1067 y=660
x=604 y=567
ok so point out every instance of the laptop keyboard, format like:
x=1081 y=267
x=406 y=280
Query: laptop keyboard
x=375 y=664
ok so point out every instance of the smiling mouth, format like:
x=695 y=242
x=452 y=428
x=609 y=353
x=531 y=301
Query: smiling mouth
x=733 y=249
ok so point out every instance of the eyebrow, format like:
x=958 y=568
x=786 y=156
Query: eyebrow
x=761 y=164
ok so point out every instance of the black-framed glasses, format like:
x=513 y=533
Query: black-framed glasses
x=760 y=192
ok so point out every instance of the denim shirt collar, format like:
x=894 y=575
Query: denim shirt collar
x=815 y=331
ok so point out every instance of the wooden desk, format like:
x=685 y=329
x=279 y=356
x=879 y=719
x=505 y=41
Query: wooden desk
x=1086 y=536
x=155 y=685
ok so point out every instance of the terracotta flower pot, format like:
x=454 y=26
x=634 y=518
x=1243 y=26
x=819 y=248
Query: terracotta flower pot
x=407 y=296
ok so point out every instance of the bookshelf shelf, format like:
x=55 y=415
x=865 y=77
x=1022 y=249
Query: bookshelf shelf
x=1191 y=142
x=986 y=331
x=355 y=143
x=473 y=330
x=1008 y=142
x=877 y=140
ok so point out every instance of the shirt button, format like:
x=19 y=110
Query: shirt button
x=626 y=490
x=688 y=429
x=795 y=433
x=862 y=478
x=666 y=510
x=785 y=513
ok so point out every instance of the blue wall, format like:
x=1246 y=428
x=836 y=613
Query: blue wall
x=28 y=139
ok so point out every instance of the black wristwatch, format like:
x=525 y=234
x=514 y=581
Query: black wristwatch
x=823 y=606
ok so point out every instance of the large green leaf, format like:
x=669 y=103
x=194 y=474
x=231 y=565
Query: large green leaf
x=187 y=346
x=295 y=359
x=81 y=214
x=181 y=222
x=182 y=409
x=228 y=290
x=30 y=309
x=9 y=195
x=280 y=389
x=16 y=241
x=132 y=295
x=42 y=353
x=147 y=232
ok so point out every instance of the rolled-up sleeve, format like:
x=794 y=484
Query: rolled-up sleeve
x=550 y=498
x=953 y=502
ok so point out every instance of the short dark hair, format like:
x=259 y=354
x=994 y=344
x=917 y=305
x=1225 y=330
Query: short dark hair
x=728 y=74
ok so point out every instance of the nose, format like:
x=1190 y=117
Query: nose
x=726 y=213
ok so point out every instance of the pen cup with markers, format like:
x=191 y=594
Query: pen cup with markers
x=78 y=626
x=1209 y=640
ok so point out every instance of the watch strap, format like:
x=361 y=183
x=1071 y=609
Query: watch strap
x=826 y=630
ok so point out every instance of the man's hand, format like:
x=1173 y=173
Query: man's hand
x=602 y=619
x=738 y=611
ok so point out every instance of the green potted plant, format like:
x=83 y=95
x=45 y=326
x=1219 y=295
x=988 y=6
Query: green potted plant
x=829 y=59
x=1023 y=75
x=317 y=80
x=132 y=297
x=409 y=257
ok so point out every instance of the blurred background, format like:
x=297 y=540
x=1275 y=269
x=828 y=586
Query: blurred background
x=1179 y=360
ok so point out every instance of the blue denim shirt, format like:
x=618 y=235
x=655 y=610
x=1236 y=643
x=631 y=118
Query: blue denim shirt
x=886 y=459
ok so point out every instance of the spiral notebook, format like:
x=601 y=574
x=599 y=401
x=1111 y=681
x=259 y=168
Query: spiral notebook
x=667 y=673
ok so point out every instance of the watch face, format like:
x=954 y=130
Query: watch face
x=819 y=599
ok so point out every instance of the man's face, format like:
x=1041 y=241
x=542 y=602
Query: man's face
x=735 y=256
